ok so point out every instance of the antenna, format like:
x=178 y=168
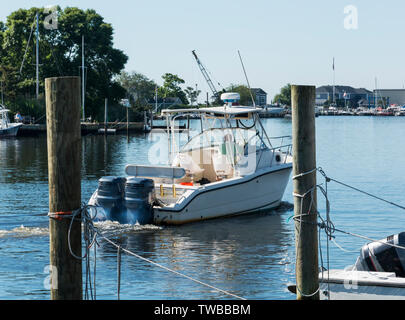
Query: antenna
x=83 y=80
x=250 y=90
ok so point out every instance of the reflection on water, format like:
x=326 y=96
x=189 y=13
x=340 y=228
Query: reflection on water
x=241 y=255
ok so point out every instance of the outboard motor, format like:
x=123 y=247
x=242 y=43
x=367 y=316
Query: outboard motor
x=381 y=257
x=139 y=198
x=110 y=198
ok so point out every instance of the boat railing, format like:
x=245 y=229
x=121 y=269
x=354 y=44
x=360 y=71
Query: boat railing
x=283 y=147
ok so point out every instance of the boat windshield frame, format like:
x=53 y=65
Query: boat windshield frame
x=232 y=118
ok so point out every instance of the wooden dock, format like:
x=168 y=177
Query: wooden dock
x=87 y=128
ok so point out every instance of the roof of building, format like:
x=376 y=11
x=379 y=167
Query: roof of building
x=258 y=91
x=342 y=89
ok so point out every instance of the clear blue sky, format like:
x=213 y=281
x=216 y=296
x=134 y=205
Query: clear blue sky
x=280 y=41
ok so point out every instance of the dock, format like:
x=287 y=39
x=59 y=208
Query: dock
x=87 y=128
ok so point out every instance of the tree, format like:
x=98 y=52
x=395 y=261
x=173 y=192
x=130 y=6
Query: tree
x=171 y=87
x=139 y=88
x=60 y=54
x=284 y=97
x=244 y=92
x=192 y=94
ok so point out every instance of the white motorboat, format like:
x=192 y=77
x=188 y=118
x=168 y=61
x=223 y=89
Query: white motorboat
x=7 y=129
x=379 y=274
x=231 y=167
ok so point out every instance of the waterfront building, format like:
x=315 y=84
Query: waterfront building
x=347 y=95
x=391 y=96
x=260 y=97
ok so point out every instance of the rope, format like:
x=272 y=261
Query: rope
x=358 y=190
x=303 y=174
x=90 y=236
x=298 y=218
x=172 y=271
x=326 y=224
x=118 y=272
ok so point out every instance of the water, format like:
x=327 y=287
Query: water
x=251 y=256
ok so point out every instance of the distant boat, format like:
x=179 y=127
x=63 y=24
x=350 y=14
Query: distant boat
x=384 y=112
x=7 y=129
x=273 y=112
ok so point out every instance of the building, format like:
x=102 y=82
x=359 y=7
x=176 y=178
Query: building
x=346 y=95
x=391 y=96
x=261 y=97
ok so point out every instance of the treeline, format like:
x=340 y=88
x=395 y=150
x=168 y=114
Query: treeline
x=60 y=54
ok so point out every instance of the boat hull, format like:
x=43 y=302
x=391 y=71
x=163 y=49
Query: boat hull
x=263 y=190
x=11 y=131
x=361 y=285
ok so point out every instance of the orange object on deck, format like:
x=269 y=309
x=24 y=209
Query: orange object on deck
x=190 y=184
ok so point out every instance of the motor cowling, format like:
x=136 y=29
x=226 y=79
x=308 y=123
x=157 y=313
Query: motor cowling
x=110 y=195
x=383 y=257
x=139 y=198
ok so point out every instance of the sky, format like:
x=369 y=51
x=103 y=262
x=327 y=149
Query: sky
x=288 y=41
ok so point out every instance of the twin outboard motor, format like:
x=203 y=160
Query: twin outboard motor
x=128 y=201
x=381 y=257
x=139 y=198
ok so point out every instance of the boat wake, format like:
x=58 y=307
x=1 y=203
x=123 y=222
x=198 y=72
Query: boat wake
x=106 y=227
x=24 y=232
x=115 y=228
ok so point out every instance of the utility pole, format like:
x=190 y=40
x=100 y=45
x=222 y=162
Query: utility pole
x=304 y=171
x=105 y=116
x=83 y=81
x=37 y=58
x=2 y=94
x=64 y=170
x=196 y=94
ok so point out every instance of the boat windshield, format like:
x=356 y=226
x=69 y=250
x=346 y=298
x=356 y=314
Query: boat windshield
x=218 y=137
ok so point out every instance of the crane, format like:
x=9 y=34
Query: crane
x=206 y=76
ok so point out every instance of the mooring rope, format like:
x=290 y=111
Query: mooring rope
x=326 y=224
x=91 y=233
x=172 y=271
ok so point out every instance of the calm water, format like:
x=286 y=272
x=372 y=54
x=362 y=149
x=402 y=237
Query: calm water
x=251 y=256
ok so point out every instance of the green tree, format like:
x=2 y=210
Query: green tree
x=244 y=92
x=171 y=87
x=284 y=97
x=139 y=88
x=60 y=54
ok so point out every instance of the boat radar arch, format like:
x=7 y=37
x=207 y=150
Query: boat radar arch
x=230 y=98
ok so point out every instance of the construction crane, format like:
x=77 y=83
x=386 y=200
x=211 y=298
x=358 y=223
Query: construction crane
x=206 y=76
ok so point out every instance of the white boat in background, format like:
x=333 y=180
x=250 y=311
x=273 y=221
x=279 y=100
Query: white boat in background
x=272 y=111
x=230 y=168
x=379 y=274
x=7 y=129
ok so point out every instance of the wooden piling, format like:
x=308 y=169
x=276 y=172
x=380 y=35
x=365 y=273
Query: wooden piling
x=64 y=166
x=304 y=165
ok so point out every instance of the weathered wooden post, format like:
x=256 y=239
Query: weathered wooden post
x=64 y=165
x=304 y=171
